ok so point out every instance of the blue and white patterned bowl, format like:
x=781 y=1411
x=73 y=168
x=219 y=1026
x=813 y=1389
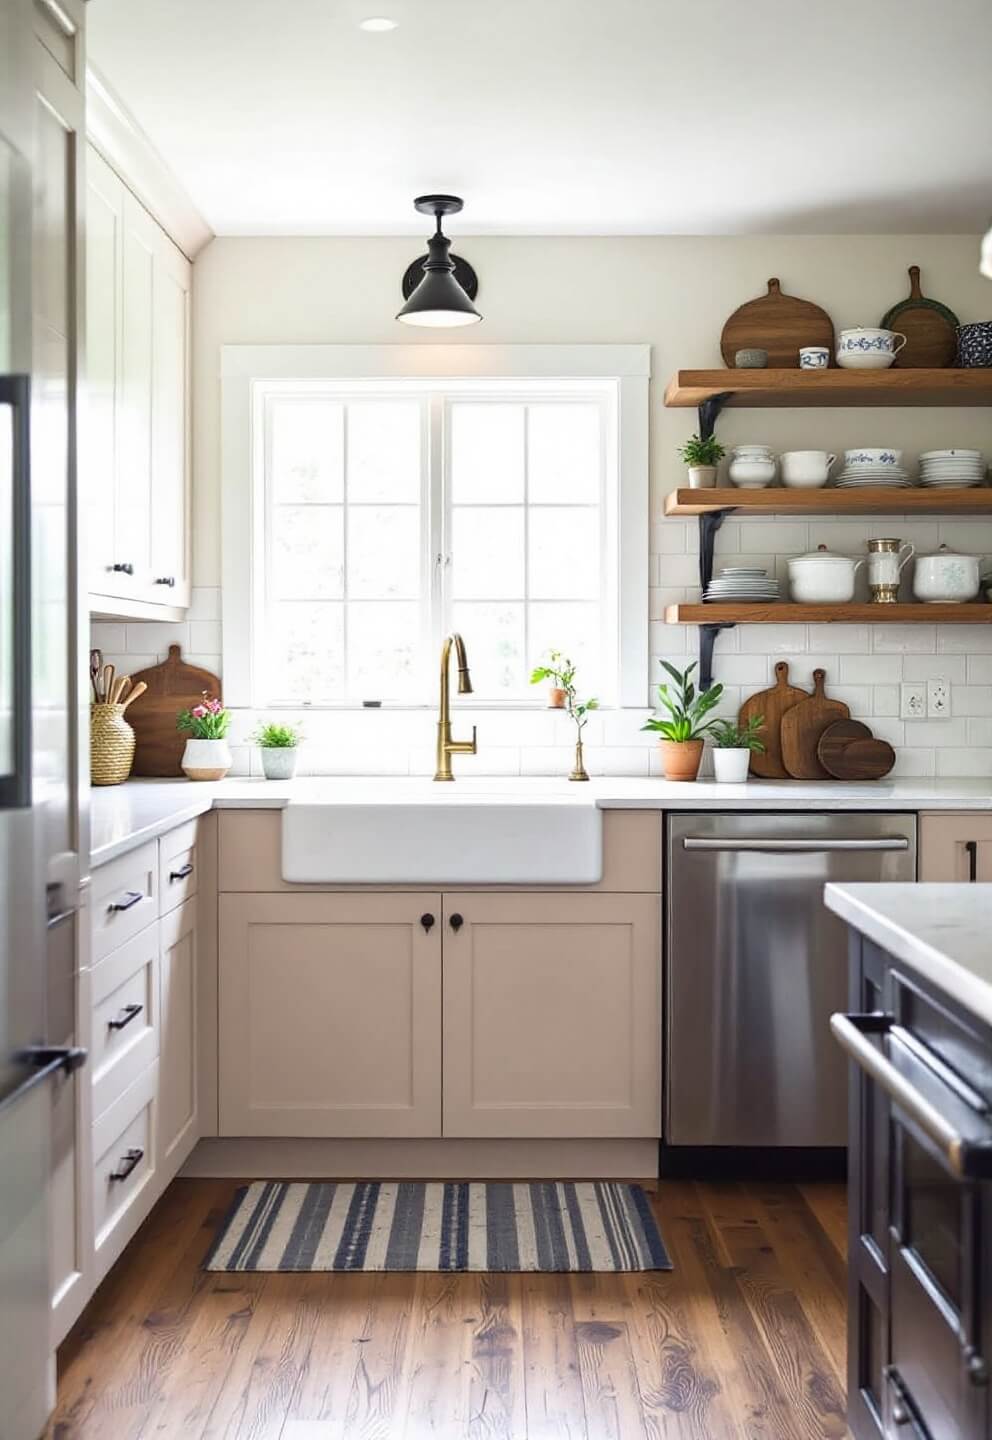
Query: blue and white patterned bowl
x=975 y=346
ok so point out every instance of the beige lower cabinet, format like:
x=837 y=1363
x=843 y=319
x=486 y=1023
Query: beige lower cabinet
x=330 y=1015
x=552 y=1015
x=178 y=1089
x=956 y=846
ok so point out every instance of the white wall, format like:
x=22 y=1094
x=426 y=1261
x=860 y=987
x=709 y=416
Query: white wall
x=674 y=293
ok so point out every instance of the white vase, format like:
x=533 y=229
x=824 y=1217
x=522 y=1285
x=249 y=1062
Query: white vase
x=206 y=759
x=730 y=766
x=279 y=761
x=702 y=477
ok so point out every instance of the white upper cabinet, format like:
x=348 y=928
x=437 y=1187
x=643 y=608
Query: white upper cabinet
x=137 y=438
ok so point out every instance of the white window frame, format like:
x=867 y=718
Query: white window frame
x=623 y=369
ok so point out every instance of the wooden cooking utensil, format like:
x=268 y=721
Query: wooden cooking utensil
x=779 y=324
x=138 y=691
x=171 y=687
x=772 y=704
x=108 y=682
x=96 y=670
x=849 y=751
x=802 y=727
x=929 y=327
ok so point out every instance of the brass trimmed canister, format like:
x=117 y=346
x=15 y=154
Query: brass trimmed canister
x=111 y=745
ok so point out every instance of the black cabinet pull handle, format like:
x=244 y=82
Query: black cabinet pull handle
x=427 y=921
x=182 y=872
x=972 y=848
x=128 y=1161
x=129 y=1013
x=169 y=580
x=456 y=922
x=124 y=568
x=131 y=897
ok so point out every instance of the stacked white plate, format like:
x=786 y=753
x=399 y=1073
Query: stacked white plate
x=952 y=469
x=742 y=584
x=861 y=477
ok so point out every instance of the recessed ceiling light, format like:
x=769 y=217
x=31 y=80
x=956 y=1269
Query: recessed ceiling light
x=377 y=24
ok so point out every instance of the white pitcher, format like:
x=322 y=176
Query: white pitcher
x=887 y=558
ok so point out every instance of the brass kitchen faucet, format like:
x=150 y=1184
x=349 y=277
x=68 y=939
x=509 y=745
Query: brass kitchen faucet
x=446 y=747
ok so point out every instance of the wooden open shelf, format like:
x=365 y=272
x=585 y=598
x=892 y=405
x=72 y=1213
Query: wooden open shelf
x=781 y=612
x=780 y=500
x=768 y=388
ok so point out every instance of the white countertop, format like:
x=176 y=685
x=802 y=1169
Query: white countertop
x=123 y=816
x=940 y=931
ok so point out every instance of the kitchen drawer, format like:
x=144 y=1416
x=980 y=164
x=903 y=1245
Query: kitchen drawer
x=178 y=866
x=125 y=1032
x=124 y=898
x=124 y=1170
x=954 y=1037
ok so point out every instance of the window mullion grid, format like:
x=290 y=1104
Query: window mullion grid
x=345 y=529
x=438 y=500
x=526 y=458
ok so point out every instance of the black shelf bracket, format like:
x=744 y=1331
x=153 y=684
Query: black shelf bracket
x=709 y=411
x=707 y=637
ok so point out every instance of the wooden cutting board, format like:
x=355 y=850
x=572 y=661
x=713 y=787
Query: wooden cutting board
x=779 y=324
x=172 y=686
x=929 y=327
x=849 y=751
x=772 y=704
x=802 y=727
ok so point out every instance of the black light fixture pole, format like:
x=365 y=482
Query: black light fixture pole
x=439 y=287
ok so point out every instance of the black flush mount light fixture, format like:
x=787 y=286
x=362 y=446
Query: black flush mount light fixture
x=438 y=287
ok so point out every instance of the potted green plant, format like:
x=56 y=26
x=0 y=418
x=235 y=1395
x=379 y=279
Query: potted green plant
x=733 y=746
x=683 y=733
x=702 y=457
x=559 y=669
x=279 y=745
x=206 y=756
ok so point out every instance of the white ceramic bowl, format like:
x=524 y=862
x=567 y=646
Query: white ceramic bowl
x=751 y=474
x=864 y=360
x=805 y=469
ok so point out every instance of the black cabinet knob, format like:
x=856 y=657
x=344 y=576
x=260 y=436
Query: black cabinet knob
x=427 y=921
x=456 y=922
x=123 y=568
x=169 y=580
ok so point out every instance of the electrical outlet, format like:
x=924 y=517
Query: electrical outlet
x=939 y=699
x=913 y=700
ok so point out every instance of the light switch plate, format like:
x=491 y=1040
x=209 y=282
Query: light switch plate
x=938 y=698
x=913 y=700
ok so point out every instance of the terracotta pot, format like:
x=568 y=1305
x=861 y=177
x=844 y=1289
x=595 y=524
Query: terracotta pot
x=556 y=698
x=680 y=758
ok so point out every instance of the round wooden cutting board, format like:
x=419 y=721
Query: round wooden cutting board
x=849 y=751
x=929 y=327
x=779 y=324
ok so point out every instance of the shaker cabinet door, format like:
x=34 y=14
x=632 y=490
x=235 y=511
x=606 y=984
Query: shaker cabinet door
x=956 y=846
x=178 y=1090
x=330 y=1009
x=104 y=258
x=552 y=1015
x=169 y=580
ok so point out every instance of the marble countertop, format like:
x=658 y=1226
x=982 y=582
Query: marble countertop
x=940 y=930
x=123 y=816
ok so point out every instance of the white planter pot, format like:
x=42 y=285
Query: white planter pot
x=702 y=477
x=206 y=759
x=279 y=762
x=730 y=766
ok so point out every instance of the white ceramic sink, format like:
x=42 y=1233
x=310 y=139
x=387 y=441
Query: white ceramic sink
x=417 y=833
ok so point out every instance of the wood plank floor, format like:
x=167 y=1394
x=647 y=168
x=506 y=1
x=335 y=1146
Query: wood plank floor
x=744 y=1340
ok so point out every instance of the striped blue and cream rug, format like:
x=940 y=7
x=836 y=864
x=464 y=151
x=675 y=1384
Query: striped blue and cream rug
x=275 y=1225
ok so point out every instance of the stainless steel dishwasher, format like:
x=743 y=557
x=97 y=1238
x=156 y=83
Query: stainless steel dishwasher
x=755 y=965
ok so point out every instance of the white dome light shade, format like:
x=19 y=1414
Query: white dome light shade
x=377 y=24
x=442 y=298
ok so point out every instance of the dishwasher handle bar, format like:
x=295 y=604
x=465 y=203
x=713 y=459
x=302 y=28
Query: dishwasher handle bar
x=965 y=1157
x=795 y=847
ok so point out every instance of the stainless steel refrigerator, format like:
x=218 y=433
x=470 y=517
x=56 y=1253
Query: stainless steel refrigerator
x=39 y=705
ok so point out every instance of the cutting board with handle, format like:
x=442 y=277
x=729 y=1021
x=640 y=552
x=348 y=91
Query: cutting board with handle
x=929 y=327
x=779 y=324
x=802 y=727
x=772 y=704
x=172 y=686
x=849 y=751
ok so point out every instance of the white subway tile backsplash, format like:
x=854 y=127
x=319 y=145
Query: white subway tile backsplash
x=871 y=669
x=885 y=700
x=979 y=731
x=774 y=640
x=915 y=762
x=157 y=635
x=204 y=636
x=941 y=734
x=972 y=700
x=957 y=639
x=904 y=639
x=979 y=668
x=846 y=639
x=204 y=603
x=972 y=761
x=929 y=667
x=107 y=635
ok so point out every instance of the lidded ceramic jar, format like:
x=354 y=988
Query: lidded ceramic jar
x=945 y=578
x=822 y=578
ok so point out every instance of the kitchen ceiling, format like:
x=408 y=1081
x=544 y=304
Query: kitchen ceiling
x=600 y=117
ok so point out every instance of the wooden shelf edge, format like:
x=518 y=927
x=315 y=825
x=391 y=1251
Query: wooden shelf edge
x=785 y=613
x=770 y=388
x=779 y=500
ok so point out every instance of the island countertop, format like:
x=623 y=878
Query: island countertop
x=942 y=931
x=123 y=816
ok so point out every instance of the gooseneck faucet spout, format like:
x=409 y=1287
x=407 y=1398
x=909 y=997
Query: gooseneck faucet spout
x=446 y=747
